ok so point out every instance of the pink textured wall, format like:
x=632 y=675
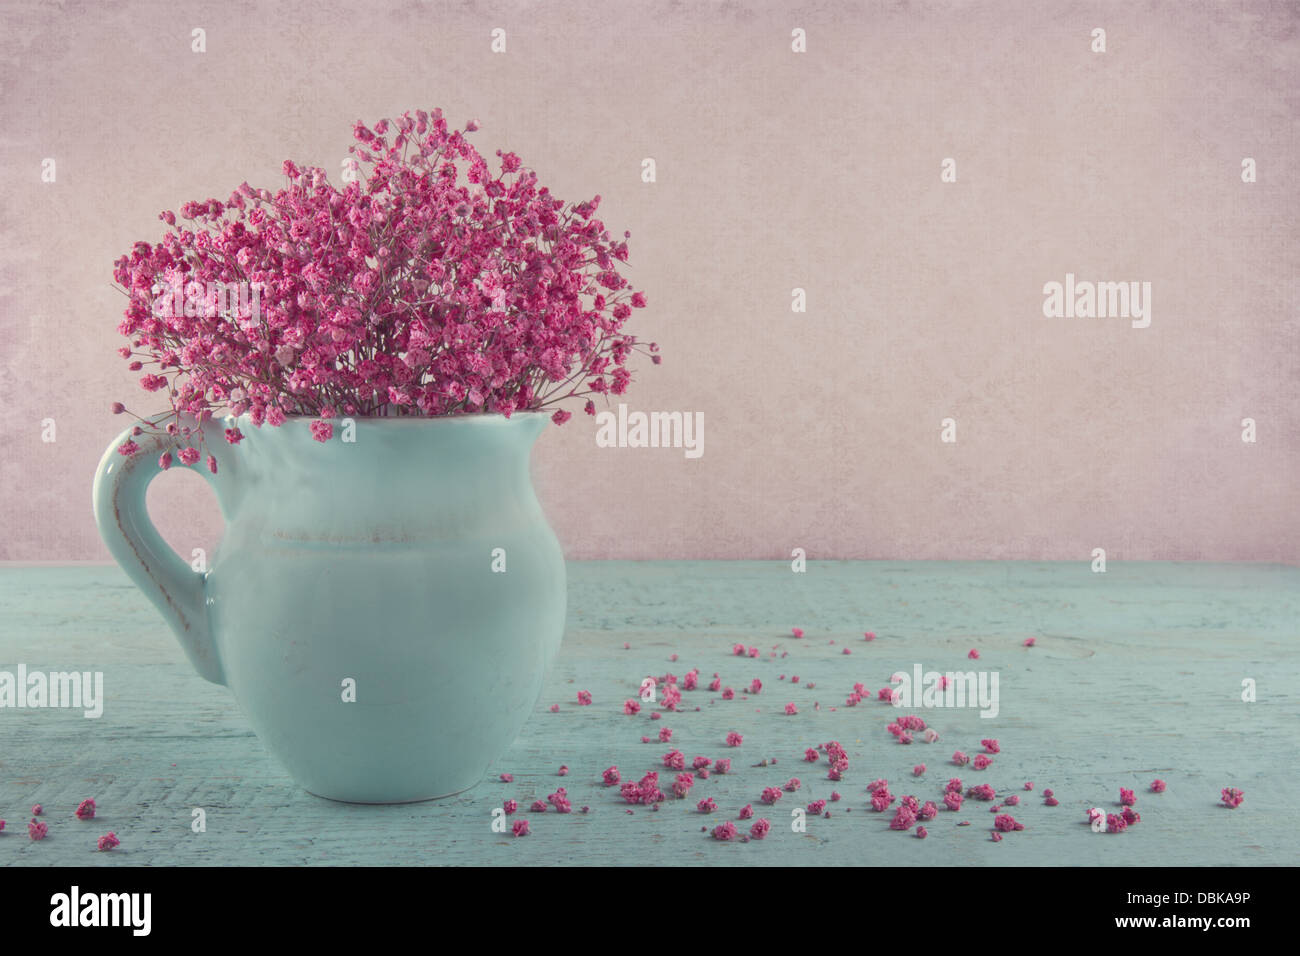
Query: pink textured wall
x=775 y=170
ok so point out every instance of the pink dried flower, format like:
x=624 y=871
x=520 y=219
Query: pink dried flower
x=771 y=795
x=928 y=811
x=991 y=746
x=918 y=770
x=682 y=785
x=881 y=784
x=753 y=652
x=759 y=829
x=797 y=631
x=835 y=796
x=2 y=825
x=1051 y=801
x=728 y=693
x=904 y=819
x=755 y=686
x=960 y=759
x=1030 y=642
x=675 y=760
x=904 y=738
x=869 y=636
x=37 y=810
x=811 y=756
x=1157 y=786
x=922 y=832
x=1007 y=823
x=510 y=806
x=564 y=770
x=930 y=735
x=584 y=698
x=529 y=309
x=738 y=650
x=953 y=786
x=611 y=776
x=734 y=739
x=699 y=763
x=537 y=807
x=996 y=837
x=1115 y=823
x=722 y=765
x=793 y=784
x=791 y=709
x=724 y=831
x=952 y=800
x=1047 y=792
x=519 y=828
x=37 y=830
x=981 y=761
x=672 y=696
x=881 y=799
x=911 y=803
x=846 y=651
x=983 y=792
x=746 y=812
x=108 y=841
x=817 y=806
x=973 y=654
x=631 y=707
x=1131 y=816
x=1232 y=797
x=1012 y=800
x=1029 y=785
x=1127 y=797
x=794 y=679
x=715 y=684
x=86 y=810
x=555 y=708
x=507 y=778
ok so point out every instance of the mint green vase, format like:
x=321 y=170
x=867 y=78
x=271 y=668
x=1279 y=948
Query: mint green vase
x=384 y=608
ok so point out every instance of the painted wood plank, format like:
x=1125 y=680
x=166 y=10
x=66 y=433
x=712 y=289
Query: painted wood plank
x=1137 y=674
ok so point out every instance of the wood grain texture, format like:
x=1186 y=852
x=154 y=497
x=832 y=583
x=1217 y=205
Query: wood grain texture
x=1137 y=674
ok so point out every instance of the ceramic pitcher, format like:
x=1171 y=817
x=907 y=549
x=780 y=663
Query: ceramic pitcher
x=384 y=609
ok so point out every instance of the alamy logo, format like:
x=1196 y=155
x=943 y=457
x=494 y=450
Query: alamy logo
x=76 y=689
x=934 y=689
x=199 y=299
x=102 y=909
x=651 y=430
x=1098 y=300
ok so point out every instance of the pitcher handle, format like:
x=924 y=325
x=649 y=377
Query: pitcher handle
x=176 y=589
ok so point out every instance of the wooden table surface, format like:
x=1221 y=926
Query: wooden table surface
x=1137 y=673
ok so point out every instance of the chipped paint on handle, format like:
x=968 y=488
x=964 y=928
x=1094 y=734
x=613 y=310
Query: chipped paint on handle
x=174 y=587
